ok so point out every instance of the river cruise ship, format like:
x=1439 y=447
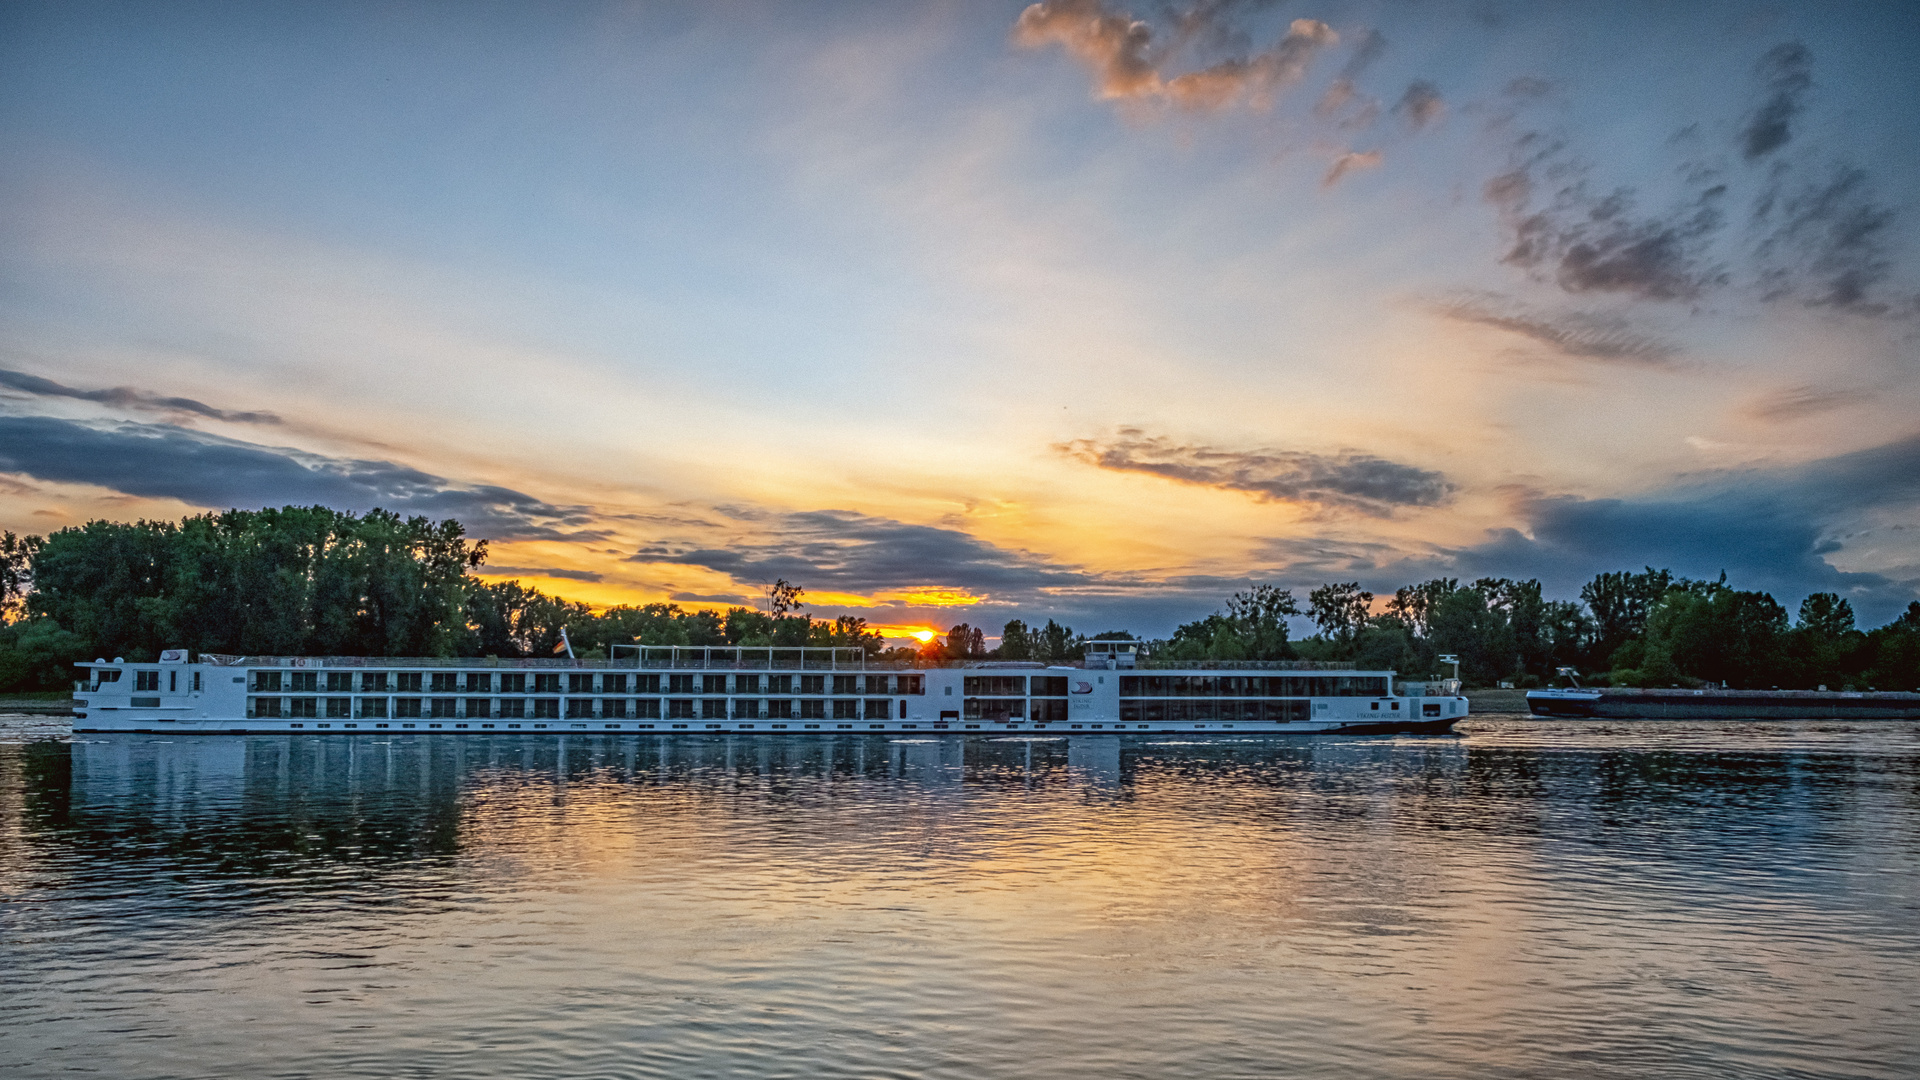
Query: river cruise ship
x=750 y=690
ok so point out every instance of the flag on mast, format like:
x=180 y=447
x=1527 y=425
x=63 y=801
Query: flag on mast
x=565 y=645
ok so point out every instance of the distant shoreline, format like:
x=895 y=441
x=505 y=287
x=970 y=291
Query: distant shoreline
x=37 y=704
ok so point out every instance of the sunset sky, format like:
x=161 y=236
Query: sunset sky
x=974 y=311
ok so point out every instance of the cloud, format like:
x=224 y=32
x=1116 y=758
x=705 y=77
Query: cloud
x=541 y=571
x=1798 y=401
x=129 y=398
x=1816 y=235
x=1581 y=335
x=844 y=551
x=1826 y=242
x=1346 y=481
x=1349 y=162
x=162 y=461
x=1113 y=45
x=1342 y=91
x=1420 y=105
x=1589 y=243
x=711 y=598
x=1119 y=49
x=1786 y=72
x=1528 y=87
x=1770 y=529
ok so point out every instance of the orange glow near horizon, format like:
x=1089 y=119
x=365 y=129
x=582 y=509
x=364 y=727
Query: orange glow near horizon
x=938 y=596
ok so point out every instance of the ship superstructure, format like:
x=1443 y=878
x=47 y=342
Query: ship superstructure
x=749 y=690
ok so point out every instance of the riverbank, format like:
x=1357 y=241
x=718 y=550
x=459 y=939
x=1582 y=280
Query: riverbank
x=55 y=704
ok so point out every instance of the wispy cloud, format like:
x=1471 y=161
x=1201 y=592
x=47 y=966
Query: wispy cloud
x=1351 y=162
x=1342 y=98
x=1421 y=105
x=126 y=397
x=1826 y=242
x=1581 y=335
x=1795 y=402
x=1812 y=233
x=1347 y=481
x=1590 y=243
x=1786 y=74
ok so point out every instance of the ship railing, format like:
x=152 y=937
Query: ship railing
x=1246 y=665
x=740 y=658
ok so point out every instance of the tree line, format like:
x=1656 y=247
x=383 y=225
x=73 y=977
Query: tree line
x=1651 y=628
x=317 y=581
x=312 y=581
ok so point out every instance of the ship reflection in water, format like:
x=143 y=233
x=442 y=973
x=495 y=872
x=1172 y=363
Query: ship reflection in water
x=1534 y=899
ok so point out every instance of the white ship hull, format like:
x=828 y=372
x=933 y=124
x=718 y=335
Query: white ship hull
x=741 y=691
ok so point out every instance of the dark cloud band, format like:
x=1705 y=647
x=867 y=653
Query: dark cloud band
x=1348 y=481
x=849 y=552
x=128 y=398
x=162 y=461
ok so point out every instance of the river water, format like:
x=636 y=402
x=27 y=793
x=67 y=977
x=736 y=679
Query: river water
x=1529 y=899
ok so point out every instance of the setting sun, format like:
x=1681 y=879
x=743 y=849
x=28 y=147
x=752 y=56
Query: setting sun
x=922 y=636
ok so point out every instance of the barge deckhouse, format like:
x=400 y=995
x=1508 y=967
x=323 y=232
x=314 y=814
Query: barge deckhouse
x=750 y=690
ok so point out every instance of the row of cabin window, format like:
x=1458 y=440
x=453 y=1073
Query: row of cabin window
x=149 y=681
x=1256 y=711
x=1014 y=685
x=574 y=708
x=488 y=682
x=1040 y=710
x=1252 y=686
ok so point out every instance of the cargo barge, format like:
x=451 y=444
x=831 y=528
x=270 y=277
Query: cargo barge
x=1610 y=703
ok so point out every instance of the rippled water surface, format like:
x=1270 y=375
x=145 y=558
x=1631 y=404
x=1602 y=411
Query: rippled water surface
x=1584 y=899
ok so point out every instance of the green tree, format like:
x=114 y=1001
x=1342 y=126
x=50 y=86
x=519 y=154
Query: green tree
x=1340 y=610
x=1056 y=644
x=1891 y=653
x=1015 y=642
x=37 y=655
x=16 y=573
x=1259 y=619
x=294 y=580
x=1463 y=625
x=1413 y=604
x=1826 y=614
x=1619 y=603
x=1721 y=635
x=1201 y=639
x=784 y=598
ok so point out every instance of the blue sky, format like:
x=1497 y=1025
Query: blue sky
x=970 y=311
